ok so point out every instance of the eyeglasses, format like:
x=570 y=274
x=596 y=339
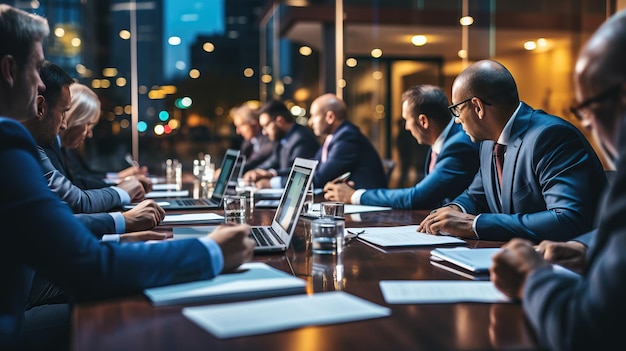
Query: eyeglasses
x=455 y=110
x=583 y=108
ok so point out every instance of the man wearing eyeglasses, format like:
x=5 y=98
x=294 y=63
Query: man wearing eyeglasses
x=538 y=178
x=584 y=312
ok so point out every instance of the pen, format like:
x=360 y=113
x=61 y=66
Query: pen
x=130 y=160
x=342 y=177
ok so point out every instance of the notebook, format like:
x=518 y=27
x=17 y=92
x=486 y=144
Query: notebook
x=476 y=260
x=277 y=237
x=227 y=168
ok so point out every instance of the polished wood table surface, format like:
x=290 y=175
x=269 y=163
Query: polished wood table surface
x=132 y=323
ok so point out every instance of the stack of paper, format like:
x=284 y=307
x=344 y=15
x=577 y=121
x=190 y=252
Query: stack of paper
x=401 y=236
x=166 y=194
x=283 y=313
x=435 y=291
x=252 y=280
x=192 y=218
x=474 y=260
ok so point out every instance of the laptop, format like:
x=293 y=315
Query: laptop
x=277 y=237
x=227 y=168
x=231 y=188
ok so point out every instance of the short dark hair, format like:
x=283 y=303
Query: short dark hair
x=54 y=78
x=429 y=100
x=275 y=108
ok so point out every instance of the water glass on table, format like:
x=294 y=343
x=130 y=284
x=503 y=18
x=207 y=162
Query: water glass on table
x=332 y=209
x=235 y=209
x=327 y=236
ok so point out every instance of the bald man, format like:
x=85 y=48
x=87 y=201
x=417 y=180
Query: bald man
x=584 y=312
x=539 y=178
x=345 y=148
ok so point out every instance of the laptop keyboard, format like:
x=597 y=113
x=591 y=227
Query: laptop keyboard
x=192 y=202
x=260 y=236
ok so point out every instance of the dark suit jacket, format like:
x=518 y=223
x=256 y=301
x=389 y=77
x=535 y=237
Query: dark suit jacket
x=299 y=142
x=265 y=150
x=97 y=223
x=552 y=181
x=79 y=200
x=72 y=165
x=350 y=150
x=587 y=313
x=40 y=233
x=454 y=170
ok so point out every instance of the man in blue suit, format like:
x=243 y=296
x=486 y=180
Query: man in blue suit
x=292 y=140
x=40 y=233
x=584 y=312
x=450 y=165
x=541 y=180
x=345 y=148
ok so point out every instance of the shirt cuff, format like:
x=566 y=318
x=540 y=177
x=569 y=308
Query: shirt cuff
x=215 y=254
x=474 y=226
x=356 y=196
x=273 y=172
x=123 y=195
x=120 y=222
x=111 y=238
x=276 y=182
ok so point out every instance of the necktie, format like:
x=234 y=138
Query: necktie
x=433 y=159
x=325 y=147
x=498 y=154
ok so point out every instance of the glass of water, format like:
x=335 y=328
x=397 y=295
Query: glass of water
x=235 y=209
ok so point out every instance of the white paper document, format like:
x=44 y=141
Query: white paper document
x=440 y=291
x=401 y=236
x=166 y=194
x=282 y=313
x=251 y=280
x=193 y=232
x=477 y=260
x=191 y=218
x=164 y=186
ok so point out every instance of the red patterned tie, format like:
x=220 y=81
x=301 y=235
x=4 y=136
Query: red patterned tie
x=433 y=159
x=498 y=154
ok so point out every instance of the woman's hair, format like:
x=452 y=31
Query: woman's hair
x=85 y=106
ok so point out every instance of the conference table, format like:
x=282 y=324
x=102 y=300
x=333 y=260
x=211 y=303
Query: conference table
x=132 y=323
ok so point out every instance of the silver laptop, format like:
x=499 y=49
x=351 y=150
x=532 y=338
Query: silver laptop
x=237 y=173
x=227 y=168
x=277 y=237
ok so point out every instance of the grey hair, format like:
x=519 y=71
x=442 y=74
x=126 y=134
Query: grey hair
x=18 y=31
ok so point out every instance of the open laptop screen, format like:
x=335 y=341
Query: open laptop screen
x=286 y=215
x=228 y=165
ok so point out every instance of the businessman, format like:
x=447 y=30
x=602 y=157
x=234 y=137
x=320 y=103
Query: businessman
x=53 y=242
x=538 y=177
x=292 y=140
x=345 y=148
x=584 y=312
x=451 y=163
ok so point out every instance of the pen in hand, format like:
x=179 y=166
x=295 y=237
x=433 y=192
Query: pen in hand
x=342 y=178
x=131 y=161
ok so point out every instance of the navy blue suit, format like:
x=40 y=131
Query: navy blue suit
x=255 y=158
x=299 y=142
x=40 y=233
x=551 y=182
x=587 y=312
x=350 y=150
x=454 y=170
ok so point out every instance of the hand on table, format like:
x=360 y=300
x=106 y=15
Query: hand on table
x=450 y=220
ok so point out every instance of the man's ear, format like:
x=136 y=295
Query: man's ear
x=330 y=117
x=280 y=121
x=478 y=107
x=42 y=107
x=423 y=121
x=8 y=70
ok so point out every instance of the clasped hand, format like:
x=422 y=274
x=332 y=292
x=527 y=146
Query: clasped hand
x=450 y=221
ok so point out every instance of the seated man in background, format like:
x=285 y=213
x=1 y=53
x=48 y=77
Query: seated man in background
x=53 y=242
x=292 y=140
x=256 y=146
x=345 y=148
x=585 y=312
x=547 y=183
x=450 y=165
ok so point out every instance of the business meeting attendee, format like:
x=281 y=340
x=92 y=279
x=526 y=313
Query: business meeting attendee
x=41 y=231
x=451 y=162
x=583 y=312
x=538 y=177
x=83 y=115
x=256 y=146
x=345 y=148
x=292 y=140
